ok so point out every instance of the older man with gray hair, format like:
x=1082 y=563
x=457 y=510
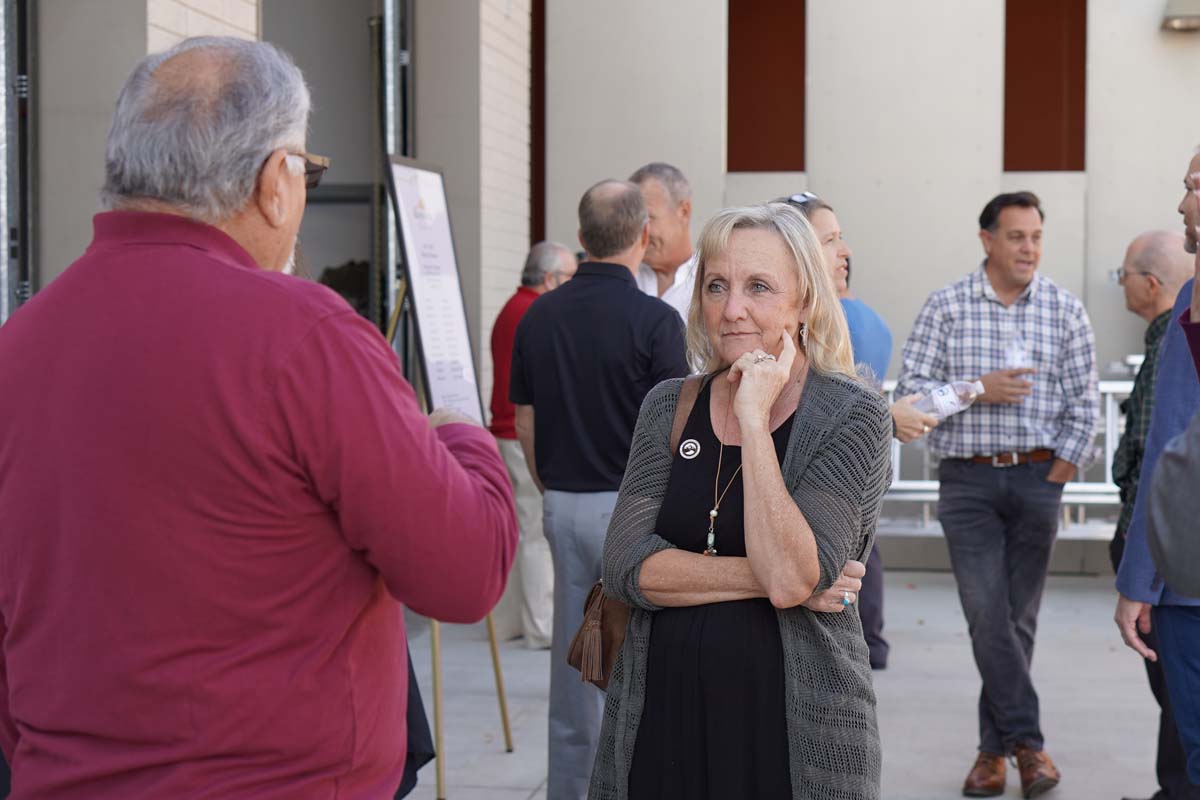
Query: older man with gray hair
x=527 y=606
x=217 y=488
x=668 y=270
x=1156 y=266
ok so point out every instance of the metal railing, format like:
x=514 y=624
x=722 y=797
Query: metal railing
x=1093 y=488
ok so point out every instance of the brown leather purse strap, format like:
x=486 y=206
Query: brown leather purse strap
x=683 y=408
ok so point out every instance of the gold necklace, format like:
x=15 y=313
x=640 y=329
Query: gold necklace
x=711 y=550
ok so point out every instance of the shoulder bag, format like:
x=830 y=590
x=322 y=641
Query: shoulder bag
x=594 y=649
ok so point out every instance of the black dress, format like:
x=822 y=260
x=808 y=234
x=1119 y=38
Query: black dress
x=713 y=726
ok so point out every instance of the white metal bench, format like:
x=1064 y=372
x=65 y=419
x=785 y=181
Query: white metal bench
x=1078 y=495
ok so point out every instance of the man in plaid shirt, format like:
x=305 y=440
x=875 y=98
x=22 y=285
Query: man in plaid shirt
x=1004 y=462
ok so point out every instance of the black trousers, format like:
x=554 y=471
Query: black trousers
x=1170 y=763
x=420 y=740
x=870 y=609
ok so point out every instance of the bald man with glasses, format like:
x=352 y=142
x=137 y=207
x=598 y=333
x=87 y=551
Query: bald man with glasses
x=1155 y=268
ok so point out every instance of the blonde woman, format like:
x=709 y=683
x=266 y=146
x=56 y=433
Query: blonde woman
x=727 y=687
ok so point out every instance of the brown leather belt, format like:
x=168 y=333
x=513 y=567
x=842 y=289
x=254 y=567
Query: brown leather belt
x=1011 y=459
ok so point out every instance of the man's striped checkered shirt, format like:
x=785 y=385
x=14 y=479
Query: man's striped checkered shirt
x=963 y=332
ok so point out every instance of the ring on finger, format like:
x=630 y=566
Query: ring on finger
x=763 y=357
x=846 y=600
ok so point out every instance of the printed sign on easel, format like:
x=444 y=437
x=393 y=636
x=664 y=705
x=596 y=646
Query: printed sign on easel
x=431 y=269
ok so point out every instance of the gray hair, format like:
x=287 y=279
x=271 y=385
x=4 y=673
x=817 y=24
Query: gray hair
x=669 y=176
x=542 y=259
x=194 y=124
x=1162 y=255
x=612 y=215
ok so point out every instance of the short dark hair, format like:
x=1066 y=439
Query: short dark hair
x=991 y=212
x=612 y=215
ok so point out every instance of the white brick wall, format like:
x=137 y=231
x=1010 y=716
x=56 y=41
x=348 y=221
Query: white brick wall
x=504 y=161
x=171 y=21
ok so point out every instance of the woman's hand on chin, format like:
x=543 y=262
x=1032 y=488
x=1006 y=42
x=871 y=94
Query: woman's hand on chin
x=758 y=379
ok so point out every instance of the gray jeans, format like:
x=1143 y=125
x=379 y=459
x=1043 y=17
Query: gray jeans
x=1000 y=524
x=575 y=525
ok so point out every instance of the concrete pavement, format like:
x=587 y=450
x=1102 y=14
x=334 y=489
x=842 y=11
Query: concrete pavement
x=1098 y=716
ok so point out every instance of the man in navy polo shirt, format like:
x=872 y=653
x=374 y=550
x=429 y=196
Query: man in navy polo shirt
x=585 y=356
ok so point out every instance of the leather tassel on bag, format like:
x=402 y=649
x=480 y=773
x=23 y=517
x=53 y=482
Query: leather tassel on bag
x=591 y=669
x=596 y=644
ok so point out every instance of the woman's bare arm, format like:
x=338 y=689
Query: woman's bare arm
x=680 y=578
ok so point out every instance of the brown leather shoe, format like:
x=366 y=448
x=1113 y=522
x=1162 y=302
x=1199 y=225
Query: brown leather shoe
x=986 y=778
x=1038 y=773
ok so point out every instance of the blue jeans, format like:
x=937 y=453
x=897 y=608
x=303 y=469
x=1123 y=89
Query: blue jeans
x=1000 y=524
x=1178 y=630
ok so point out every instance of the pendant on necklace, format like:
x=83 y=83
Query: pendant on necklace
x=712 y=536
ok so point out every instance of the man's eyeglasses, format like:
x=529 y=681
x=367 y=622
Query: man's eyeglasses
x=1120 y=273
x=314 y=168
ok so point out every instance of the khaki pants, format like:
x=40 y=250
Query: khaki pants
x=527 y=606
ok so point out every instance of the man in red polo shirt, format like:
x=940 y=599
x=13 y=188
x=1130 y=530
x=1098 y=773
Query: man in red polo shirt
x=528 y=603
x=216 y=488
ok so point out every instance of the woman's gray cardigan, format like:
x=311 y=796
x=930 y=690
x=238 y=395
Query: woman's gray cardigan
x=837 y=469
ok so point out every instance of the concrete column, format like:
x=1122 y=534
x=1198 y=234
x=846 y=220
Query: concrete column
x=1143 y=125
x=629 y=82
x=472 y=63
x=171 y=21
x=905 y=139
x=505 y=64
x=77 y=85
x=75 y=89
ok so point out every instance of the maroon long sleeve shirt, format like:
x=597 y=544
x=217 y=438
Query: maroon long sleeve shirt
x=215 y=487
x=1192 y=331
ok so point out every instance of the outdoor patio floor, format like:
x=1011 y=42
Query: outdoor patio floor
x=1098 y=715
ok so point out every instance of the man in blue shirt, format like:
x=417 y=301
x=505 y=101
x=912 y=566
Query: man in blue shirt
x=869 y=335
x=1176 y=400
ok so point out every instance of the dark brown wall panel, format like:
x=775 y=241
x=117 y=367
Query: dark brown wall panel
x=537 y=124
x=766 y=85
x=1045 y=82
